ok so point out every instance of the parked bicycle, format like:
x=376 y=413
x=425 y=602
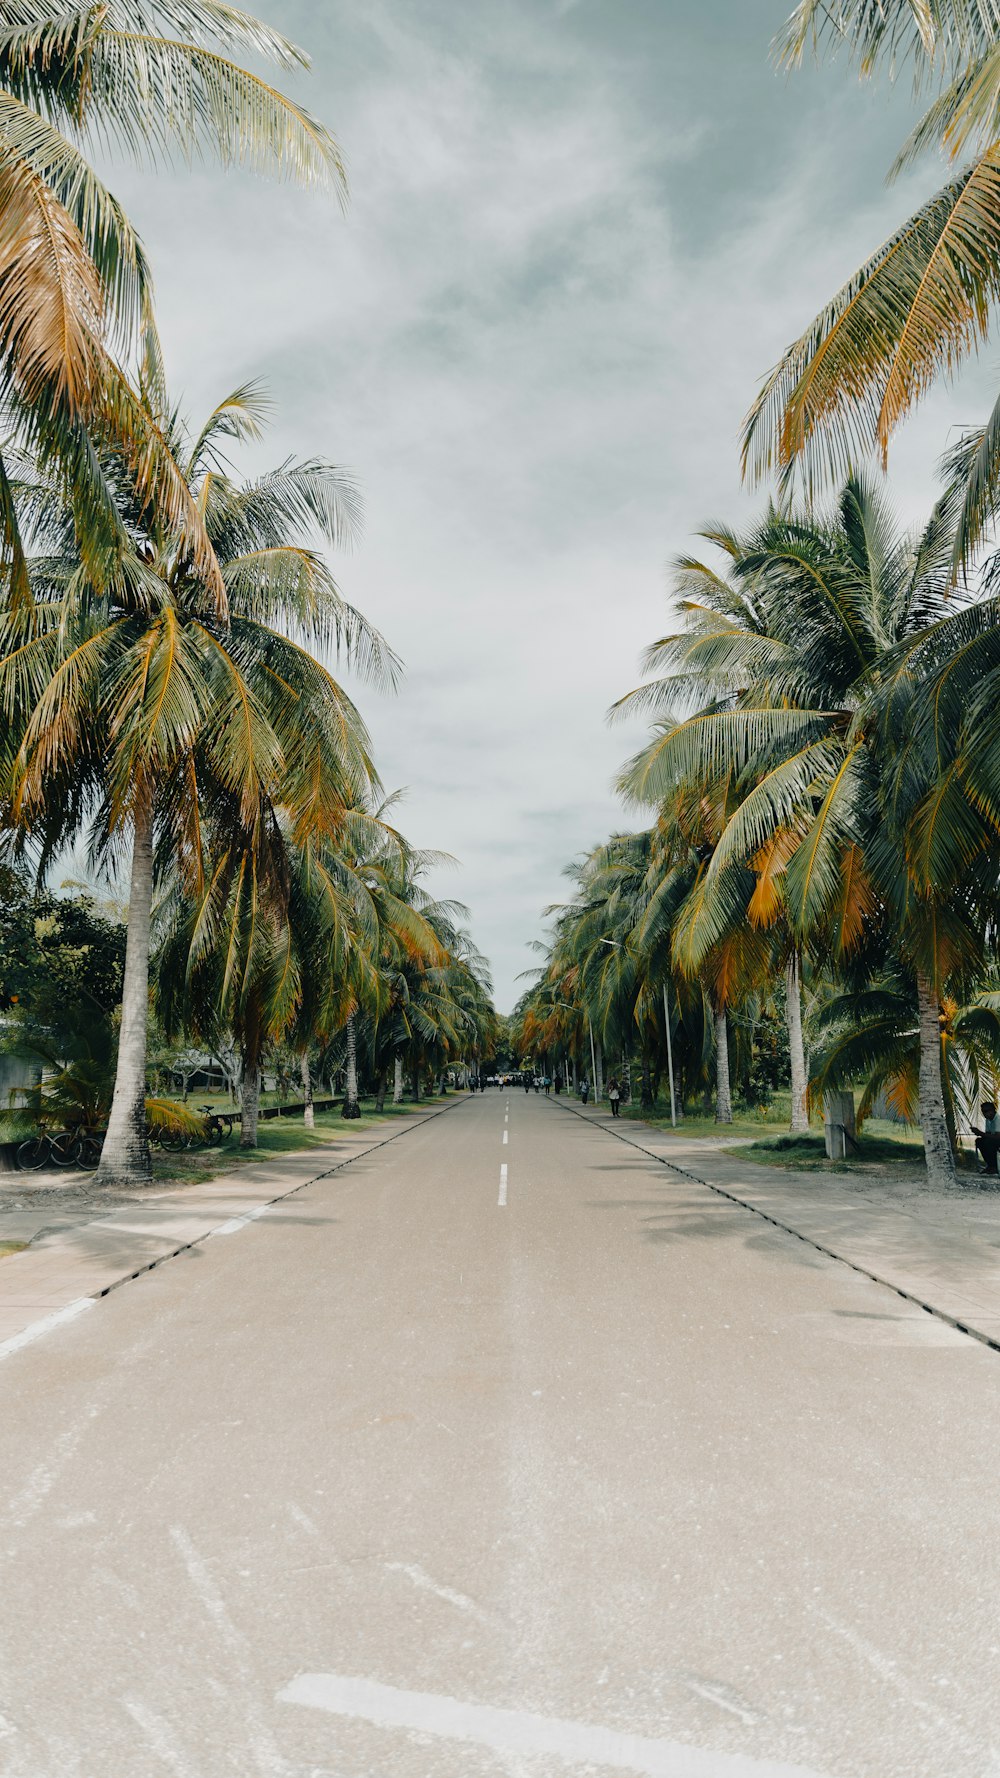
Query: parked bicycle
x=60 y=1148
x=216 y=1128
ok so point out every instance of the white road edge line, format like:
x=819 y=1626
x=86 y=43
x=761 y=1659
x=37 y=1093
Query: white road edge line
x=502 y=1199
x=513 y=1732
x=36 y=1329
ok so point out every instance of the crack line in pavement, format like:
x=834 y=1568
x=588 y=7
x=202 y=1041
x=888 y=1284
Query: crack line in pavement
x=786 y=1228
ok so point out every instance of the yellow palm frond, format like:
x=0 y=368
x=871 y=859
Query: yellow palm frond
x=915 y=310
x=50 y=293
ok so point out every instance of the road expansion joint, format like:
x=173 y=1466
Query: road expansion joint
x=787 y=1228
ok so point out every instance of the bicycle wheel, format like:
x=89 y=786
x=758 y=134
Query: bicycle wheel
x=33 y=1154
x=63 y=1148
x=87 y=1153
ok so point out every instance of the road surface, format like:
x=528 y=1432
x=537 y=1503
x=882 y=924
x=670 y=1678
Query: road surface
x=504 y=1452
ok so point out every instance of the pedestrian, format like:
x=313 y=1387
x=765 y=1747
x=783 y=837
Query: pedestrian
x=546 y=1084
x=614 y=1094
x=988 y=1138
x=527 y=1083
x=585 y=1091
x=557 y=1083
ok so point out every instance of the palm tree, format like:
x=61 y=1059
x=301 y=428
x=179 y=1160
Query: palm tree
x=714 y=920
x=155 y=80
x=377 y=873
x=871 y=1033
x=162 y=712
x=837 y=767
x=923 y=301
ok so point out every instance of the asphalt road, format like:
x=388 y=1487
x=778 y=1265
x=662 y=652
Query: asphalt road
x=405 y=1481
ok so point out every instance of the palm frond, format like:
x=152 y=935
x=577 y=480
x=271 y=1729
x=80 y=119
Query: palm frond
x=916 y=308
x=872 y=30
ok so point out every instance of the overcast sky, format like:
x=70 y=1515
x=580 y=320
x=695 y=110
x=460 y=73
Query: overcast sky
x=579 y=233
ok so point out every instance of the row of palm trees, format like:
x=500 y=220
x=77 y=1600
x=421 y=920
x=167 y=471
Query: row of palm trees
x=823 y=768
x=166 y=627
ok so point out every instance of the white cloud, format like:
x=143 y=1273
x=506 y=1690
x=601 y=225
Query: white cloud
x=536 y=357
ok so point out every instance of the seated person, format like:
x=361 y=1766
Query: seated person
x=988 y=1138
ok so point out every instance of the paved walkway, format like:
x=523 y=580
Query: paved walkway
x=940 y=1251
x=78 y=1254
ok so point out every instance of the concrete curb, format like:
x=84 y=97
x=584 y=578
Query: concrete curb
x=961 y=1322
x=46 y=1285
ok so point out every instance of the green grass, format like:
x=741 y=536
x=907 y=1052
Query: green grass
x=807 y=1154
x=755 y=1123
x=7 y=1247
x=883 y=1146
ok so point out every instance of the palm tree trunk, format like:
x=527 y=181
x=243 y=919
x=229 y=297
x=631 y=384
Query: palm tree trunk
x=380 y=1089
x=723 y=1096
x=933 y=1116
x=125 y=1157
x=351 y=1108
x=249 y=1096
x=793 y=999
x=397 y=1079
x=308 y=1114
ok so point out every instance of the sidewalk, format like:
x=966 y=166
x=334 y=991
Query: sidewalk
x=77 y=1256
x=939 y=1250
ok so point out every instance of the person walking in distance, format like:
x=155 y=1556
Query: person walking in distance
x=614 y=1094
x=585 y=1091
x=527 y=1083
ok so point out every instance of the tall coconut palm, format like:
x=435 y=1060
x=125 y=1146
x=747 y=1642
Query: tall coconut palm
x=812 y=721
x=161 y=710
x=377 y=874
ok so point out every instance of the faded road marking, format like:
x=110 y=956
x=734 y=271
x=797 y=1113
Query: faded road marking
x=502 y=1199
x=511 y=1732
x=422 y=1579
x=235 y=1223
